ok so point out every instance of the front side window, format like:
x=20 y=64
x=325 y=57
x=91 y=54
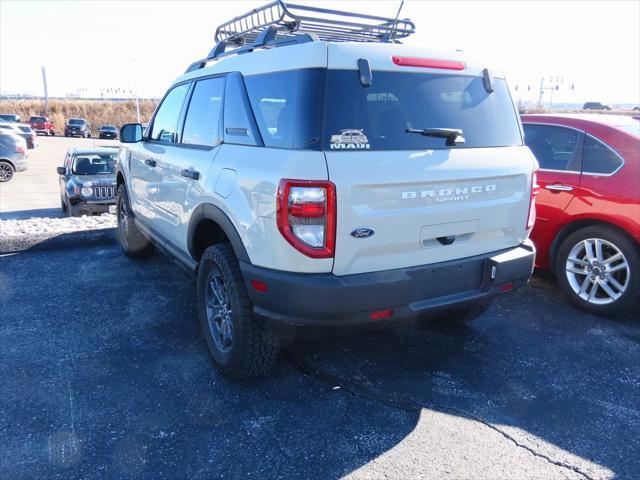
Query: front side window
x=93 y=164
x=202 y=123
x=378 y=117
x=165 y=122
x=598 y=157
x=555 y=148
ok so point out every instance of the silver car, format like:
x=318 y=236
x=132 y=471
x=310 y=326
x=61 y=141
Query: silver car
x=13 y=156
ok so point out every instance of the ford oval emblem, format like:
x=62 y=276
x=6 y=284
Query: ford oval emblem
x=362 y=232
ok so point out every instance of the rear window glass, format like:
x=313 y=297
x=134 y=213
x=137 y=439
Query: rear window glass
x=378 y=117
x=90 y=164
x=598 y=157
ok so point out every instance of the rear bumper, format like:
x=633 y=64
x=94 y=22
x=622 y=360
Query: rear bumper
x=21 y=164
x=329 y=300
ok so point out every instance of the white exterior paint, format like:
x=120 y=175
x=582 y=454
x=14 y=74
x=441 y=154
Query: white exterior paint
x=381 y=190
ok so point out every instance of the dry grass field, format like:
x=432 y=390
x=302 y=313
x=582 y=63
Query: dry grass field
x=96 y=112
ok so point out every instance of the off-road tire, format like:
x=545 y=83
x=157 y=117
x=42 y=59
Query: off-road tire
x=132 y=241
x=7 y=170
x=630 y=299
x=255 y=345
x=461 y=316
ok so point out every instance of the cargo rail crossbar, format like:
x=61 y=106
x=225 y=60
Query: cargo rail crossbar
x=279 y=24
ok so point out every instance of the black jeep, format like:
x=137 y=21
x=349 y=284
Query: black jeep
x=88 y=181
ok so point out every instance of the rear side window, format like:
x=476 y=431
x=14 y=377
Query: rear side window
x=380 y=115
x=288 y=107
x=239 y=124
x=165 y=122
x=555 y=148
x=202 y=123
x=598 y=157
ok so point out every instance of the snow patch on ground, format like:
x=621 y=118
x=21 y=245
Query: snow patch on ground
x=53 y=226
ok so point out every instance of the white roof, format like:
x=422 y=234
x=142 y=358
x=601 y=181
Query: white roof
x=335 y=55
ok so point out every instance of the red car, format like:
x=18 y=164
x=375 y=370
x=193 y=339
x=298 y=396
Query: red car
x=42 y=125
x=588 y=211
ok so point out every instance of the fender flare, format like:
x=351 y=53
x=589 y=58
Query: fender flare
x=207 y=211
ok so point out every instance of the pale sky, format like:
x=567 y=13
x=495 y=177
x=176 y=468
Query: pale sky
x=88 y=46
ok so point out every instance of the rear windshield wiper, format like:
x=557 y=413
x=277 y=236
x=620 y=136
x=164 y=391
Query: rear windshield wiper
x=453 y=135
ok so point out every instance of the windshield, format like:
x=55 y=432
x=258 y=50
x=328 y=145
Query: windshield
x=378 y=117
x=94 y=164
x=9 y=117
x=108 y=127
x=76 y=121
x=37 y=119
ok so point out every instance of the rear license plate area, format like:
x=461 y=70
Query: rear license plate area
x=448 y=279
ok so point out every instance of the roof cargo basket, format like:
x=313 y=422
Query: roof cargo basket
x=279 y=24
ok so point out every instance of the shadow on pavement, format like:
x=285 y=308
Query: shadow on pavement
x=106 y=373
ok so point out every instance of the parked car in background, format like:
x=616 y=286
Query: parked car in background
x=108 y=131
x=42 y=125
x=9 y=118
x=28 y=134
x=13 y=156
x=77 y=127
x=588 y=211
x=88 y=181
x=595 y=106
x=22 y=130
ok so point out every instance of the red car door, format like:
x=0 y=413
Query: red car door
x=559 y=153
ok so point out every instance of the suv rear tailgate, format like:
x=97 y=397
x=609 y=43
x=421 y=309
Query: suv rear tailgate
x=477 y=199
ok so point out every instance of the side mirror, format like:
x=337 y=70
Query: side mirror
x=131 y=133
x=61 y=170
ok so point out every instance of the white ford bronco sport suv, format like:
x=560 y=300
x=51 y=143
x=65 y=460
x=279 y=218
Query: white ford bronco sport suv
x=312 y=170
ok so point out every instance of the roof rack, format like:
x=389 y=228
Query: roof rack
x=279 y=24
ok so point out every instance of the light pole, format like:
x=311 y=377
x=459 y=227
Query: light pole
x=135 y=89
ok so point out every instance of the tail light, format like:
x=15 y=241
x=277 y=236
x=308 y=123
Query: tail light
x=20 y=149
x=306 y=216
x=535 y=189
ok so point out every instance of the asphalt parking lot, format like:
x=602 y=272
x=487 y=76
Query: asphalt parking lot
x=105 y=375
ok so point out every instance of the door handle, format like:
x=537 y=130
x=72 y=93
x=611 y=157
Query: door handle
x=151 y=162
x=189 y=173
x=556 y=187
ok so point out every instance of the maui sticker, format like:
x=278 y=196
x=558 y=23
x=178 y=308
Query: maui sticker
x=351 y=139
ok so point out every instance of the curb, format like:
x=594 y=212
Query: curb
x=56 y=241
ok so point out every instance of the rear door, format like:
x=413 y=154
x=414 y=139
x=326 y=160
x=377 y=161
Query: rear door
x=185 y=165
x=558 y=150
x=425 y=201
